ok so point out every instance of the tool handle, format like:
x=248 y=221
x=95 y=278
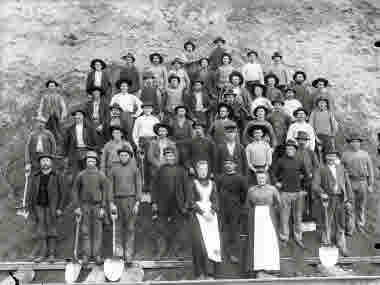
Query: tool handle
x=25 y=188
x=113 y=218
x=77 y=225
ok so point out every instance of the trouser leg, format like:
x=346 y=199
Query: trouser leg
x=40 y=251
x=98 y=230
x=297 y=210
x=284 y=216
x=85 y=230
x=360 y=189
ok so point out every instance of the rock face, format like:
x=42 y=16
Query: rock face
x=44 y=39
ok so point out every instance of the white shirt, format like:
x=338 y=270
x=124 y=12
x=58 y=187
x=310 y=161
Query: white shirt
x=39 y=145
x=302 y=126
x=128 y=102
x=252 y=72
x=332 y=168
x=144 y=127
x=79 y=135
x=98 y=79
x=198 y=101
x=95 y=113
x=291 y=105
x=231 y=147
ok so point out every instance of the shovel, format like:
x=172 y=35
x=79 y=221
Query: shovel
x=23 y=212
x=328 y=254
x=113 y=267
x=72 y=269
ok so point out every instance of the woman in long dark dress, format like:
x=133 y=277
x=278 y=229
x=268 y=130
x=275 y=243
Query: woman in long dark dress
x=262 y=249
x=204 y=205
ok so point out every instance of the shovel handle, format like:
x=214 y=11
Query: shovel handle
x=78 y=218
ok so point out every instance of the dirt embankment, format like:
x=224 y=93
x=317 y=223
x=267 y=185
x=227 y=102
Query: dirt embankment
x=42 y=39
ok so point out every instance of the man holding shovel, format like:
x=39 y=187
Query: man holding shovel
x=90 y=194
x=44 y=200
x=331 y=183
x=126 y=192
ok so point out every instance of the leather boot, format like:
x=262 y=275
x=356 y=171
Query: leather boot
x=42 y=253
x=52 y=244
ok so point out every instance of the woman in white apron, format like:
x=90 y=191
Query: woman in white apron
x=262 y=250
x=205 y=233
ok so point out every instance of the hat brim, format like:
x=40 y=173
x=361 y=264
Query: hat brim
x=223 y=41
x=171 y=77
x=156 y=54
x=92 y=64
x=51 y=81
x=238 y=74
x=267 y=77
x=260 y=107
x=316 y=81
x=156 y=127
x=180 y=107
x=299 y=72
x=121 y=81
x=299 y=110
x=45 y=156
x=124 y=57
x=189 y=43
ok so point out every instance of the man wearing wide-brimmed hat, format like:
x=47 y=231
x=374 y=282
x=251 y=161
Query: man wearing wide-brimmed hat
x=79 y=137
x=126 y=195
x=287 y=173
x=332 y=185
x=179 y=70
x=215 y=57
x=291 y=103
x=40 y=140
x=98 y=77
x=44 y=201
x=321 y=86
x=271 y=82
x=53 y=108
x=159 y=70
x=360 y=170
x=97 y=112
x=242 y=94
x=150 y=92
x=114 y=118
x=223 y=73
x=301 y=125
x=191 y=59
x=130 y=71
x=91 y=193
x=172 y=97
x=279 y=69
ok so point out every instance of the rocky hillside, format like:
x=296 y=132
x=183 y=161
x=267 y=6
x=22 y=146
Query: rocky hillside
x=42 y=39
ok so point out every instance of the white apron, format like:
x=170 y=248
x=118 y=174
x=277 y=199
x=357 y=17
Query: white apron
x=209 y=227
x=267 y=254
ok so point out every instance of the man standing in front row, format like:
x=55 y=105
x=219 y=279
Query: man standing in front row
x=359 y=166
x=44 y=203
x=287 y=173
x=90 y=194
x=126 y=192
x=332 y=185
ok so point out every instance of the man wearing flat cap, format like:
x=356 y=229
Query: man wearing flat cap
x=53 y=108
x=360 y=170
x=169 y=205
x=332 y=186
x=98 y=77
x=230 y=149
x=130 y=71
x=286 y=174
x=126 y=192
x=91 y=193
x=44 y=201
x=40 y=140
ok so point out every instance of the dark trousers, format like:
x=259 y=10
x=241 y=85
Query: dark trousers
x=359 y=189
x=230 y=223
x=333 y=229
x=144 y=165
x=125 y=225
x=91 y=230
x=76 y=164
x=292 y=206
x=54 y=126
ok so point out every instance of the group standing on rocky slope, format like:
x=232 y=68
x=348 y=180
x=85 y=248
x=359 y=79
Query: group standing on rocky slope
x=223 y=154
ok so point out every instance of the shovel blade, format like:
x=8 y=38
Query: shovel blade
x=329 y=255
x=72 y=272
x=113 y=269
x=23 y=213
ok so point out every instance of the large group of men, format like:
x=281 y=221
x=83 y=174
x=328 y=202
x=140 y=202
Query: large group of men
x=139 y=141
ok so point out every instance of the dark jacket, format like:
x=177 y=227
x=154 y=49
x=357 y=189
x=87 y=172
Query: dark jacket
x=289 y=172
x=280 y=122
x=106 y=84
x=132 y=74
x=170 y=190
x=200 y=149
x=239 y=156
x=89 y=137
x=233 y=188
x=324 y=182
x=56 y=191
x=190 y=102
x=215 y=58
x=103 y=112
